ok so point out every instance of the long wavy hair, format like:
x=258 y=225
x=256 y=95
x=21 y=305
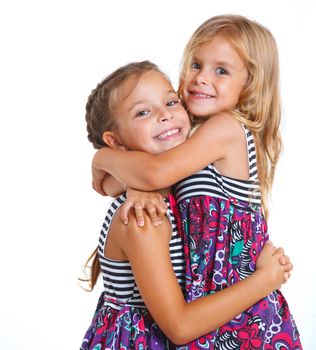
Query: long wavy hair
x=259 y=104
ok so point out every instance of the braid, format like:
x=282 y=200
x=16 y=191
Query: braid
x=99 y=117
x=101 y=102
x=98 y=114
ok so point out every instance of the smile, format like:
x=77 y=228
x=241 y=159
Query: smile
x=200 y=94
x=167 y=134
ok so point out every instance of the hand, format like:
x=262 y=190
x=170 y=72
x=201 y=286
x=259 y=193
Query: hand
x=98 y=175
x=274 y=265
x=286 y=261
x=152 y=202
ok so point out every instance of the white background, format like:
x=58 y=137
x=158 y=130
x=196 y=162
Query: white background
x=52 y=54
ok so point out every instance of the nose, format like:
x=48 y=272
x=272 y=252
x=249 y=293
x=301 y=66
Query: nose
x=203 y=77
x=164 y=114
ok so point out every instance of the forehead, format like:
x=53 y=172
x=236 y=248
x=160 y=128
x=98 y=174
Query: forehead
x=149 y=80
x=121 y=92
x=219 y=49
x=143 y=89
x=145 y=86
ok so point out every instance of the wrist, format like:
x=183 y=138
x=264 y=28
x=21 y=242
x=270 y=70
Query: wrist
x=263 y=282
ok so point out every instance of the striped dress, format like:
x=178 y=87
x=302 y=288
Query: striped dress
x=224 y=231
x=121 y=320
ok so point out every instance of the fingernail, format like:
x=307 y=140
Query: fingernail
x=141 y=223
x=125 y=222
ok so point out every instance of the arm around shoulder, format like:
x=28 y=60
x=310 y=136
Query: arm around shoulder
x=149 y=172
x=147 y=249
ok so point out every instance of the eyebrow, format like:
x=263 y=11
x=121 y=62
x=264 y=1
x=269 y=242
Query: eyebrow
x=224 y=63
x=135 y=104
x=143 y=101
x=216 y=63
x=172 y=92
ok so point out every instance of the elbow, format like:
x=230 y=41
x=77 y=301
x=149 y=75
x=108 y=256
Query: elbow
x=179 y=333
x=177 y=339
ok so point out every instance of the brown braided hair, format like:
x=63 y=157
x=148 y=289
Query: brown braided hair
x=103 y=99
x=99 y=117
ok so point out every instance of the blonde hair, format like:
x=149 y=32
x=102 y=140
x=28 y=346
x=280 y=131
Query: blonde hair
x=259 y=104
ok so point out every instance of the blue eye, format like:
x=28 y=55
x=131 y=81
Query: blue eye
x=172 y=103
x=195 y=65
x=221 y=71
x=142 y=113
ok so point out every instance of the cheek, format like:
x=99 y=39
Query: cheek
x=232 y=91
x=239 y=90
x=189 y=79
x=186 y=123
x=128 y=135
x=185 y=94
x=141 y=132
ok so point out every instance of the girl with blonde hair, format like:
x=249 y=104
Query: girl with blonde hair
x=230 y=86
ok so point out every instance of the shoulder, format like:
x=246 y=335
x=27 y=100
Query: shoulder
x=222 y=120
x=223 y=126
x=132 y=234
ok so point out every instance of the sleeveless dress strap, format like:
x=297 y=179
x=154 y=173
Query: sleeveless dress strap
x=116 y=203
x=252 y=158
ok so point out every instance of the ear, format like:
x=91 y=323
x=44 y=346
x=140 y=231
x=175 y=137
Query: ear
x=113 y=140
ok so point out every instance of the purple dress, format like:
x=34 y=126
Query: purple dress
x=224 y=230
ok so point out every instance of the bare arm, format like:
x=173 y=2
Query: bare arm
x=152 y=202
x=147 y=249
x=213 y=141
x=111 y=186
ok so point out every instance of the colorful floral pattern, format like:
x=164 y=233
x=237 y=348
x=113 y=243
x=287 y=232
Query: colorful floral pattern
x=222 y=240
x=128 y=328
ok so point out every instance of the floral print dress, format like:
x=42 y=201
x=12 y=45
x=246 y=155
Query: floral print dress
x=224 y=230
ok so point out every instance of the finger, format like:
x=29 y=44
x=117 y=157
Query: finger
x=151 y=209
x=288 y=267
x=279 y=252
x=286 y=276
x=124 y=212
x=163 y=202
x=284 y=260
x=161 y=209
x=139 y=214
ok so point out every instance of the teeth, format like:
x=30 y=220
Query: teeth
x=202 y=95
x=168 y=133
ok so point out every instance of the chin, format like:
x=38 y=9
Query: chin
x=170 y=146
x=200 y=112
x=202 y=115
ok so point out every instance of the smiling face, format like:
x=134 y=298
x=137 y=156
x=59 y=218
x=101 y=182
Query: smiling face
x=216 y=78
x=151 y=117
